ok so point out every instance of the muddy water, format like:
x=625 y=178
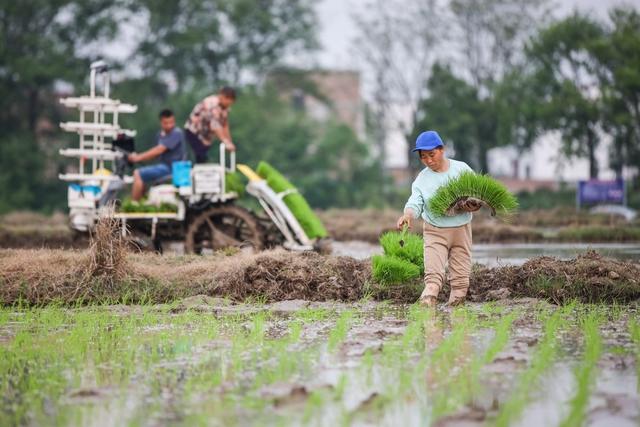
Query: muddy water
x=494 y=255
x=208 y=362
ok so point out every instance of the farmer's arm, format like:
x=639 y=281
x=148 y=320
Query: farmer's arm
x=413 y=208
x=222 y=132
x=151 y=153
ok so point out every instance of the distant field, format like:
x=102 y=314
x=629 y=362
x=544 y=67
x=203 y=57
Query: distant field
x=32 y=230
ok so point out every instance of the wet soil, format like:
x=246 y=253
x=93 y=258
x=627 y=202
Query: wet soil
x=359 y=380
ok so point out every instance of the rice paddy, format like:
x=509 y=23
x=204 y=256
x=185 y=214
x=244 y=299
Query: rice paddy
x=319 y=363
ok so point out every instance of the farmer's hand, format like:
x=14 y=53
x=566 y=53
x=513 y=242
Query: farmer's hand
x=471 y=205
x=404 y=219
x=229 y=145
x=133 y=157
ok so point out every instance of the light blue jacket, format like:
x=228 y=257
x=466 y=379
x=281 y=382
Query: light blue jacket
x=425 y=186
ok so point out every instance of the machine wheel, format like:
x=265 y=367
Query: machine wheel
x=223 y=226
x=139 y=241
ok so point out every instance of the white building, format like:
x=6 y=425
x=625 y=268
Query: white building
x=544 y=162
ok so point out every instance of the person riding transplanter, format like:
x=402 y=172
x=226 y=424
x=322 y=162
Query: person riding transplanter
x=170 y=148
x=446 y=238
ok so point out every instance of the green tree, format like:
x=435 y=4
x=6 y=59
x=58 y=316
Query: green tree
x=325 y=160
x=566 y=85
x=46 y=45
x=41 y=46
x=619 y=76
x=341 y=171
x=212 y=41
x=463 y=119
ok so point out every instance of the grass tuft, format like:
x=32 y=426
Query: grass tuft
x=299 y=207
x=108 y=250
x=477 y=186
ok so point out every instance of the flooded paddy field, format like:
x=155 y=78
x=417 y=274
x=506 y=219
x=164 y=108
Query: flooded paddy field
x=493 y=255
x=208 y=361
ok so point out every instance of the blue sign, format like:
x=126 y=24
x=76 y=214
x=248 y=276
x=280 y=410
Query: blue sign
x=597 y=191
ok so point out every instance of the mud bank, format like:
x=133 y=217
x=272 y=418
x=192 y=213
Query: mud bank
x=67 y=276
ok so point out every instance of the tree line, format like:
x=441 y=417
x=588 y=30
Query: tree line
x=505 y=72
x=488 y=73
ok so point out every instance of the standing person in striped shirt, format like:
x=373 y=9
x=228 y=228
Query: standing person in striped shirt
x=208 y=120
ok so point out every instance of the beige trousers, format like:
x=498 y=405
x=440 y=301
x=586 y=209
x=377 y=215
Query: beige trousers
x=447 y=244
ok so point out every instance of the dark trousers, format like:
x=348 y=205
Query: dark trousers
x=200 y=150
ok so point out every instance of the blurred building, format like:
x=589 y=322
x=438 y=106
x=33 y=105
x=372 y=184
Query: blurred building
x=396 y=147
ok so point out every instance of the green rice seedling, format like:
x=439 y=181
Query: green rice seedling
x=130 y=206
x=406 y=246
x=585 y=373
x=234 y=182
x=634 y=331
x=315 y=401
x=501 y=337
x=459 y=388
x=389 y=270
x=339 y=331
x=341 y=386
x=309 y=315
x=476 y=186
x=543 y=356
x=295 y=331
x=299 y=207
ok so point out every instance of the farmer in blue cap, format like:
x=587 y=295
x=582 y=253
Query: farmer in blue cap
x=446 y=238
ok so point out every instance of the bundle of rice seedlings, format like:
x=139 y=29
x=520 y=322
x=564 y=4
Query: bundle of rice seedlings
x=404 y=245
x=470 y=190
x=130 y=206
x=299 y=207
x=391 y=270
x=235 y=182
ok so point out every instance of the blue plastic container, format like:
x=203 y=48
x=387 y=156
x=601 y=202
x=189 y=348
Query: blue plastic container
x=181 y=173
x=94 y=189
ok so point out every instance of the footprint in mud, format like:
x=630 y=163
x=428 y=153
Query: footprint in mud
x=468 y=417
x=506 y=364
x=370 y=338
x=369 y=408
x=287 y=395
x=87 y=395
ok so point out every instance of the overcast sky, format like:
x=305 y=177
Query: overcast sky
x=337 y=29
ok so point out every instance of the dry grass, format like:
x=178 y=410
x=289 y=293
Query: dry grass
x=587 y=278
x=107 y=250
x=64 y=276
x=30 y=219
x=23 y=229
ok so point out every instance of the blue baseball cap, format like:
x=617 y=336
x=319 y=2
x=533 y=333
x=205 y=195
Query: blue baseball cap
x=428 y=141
